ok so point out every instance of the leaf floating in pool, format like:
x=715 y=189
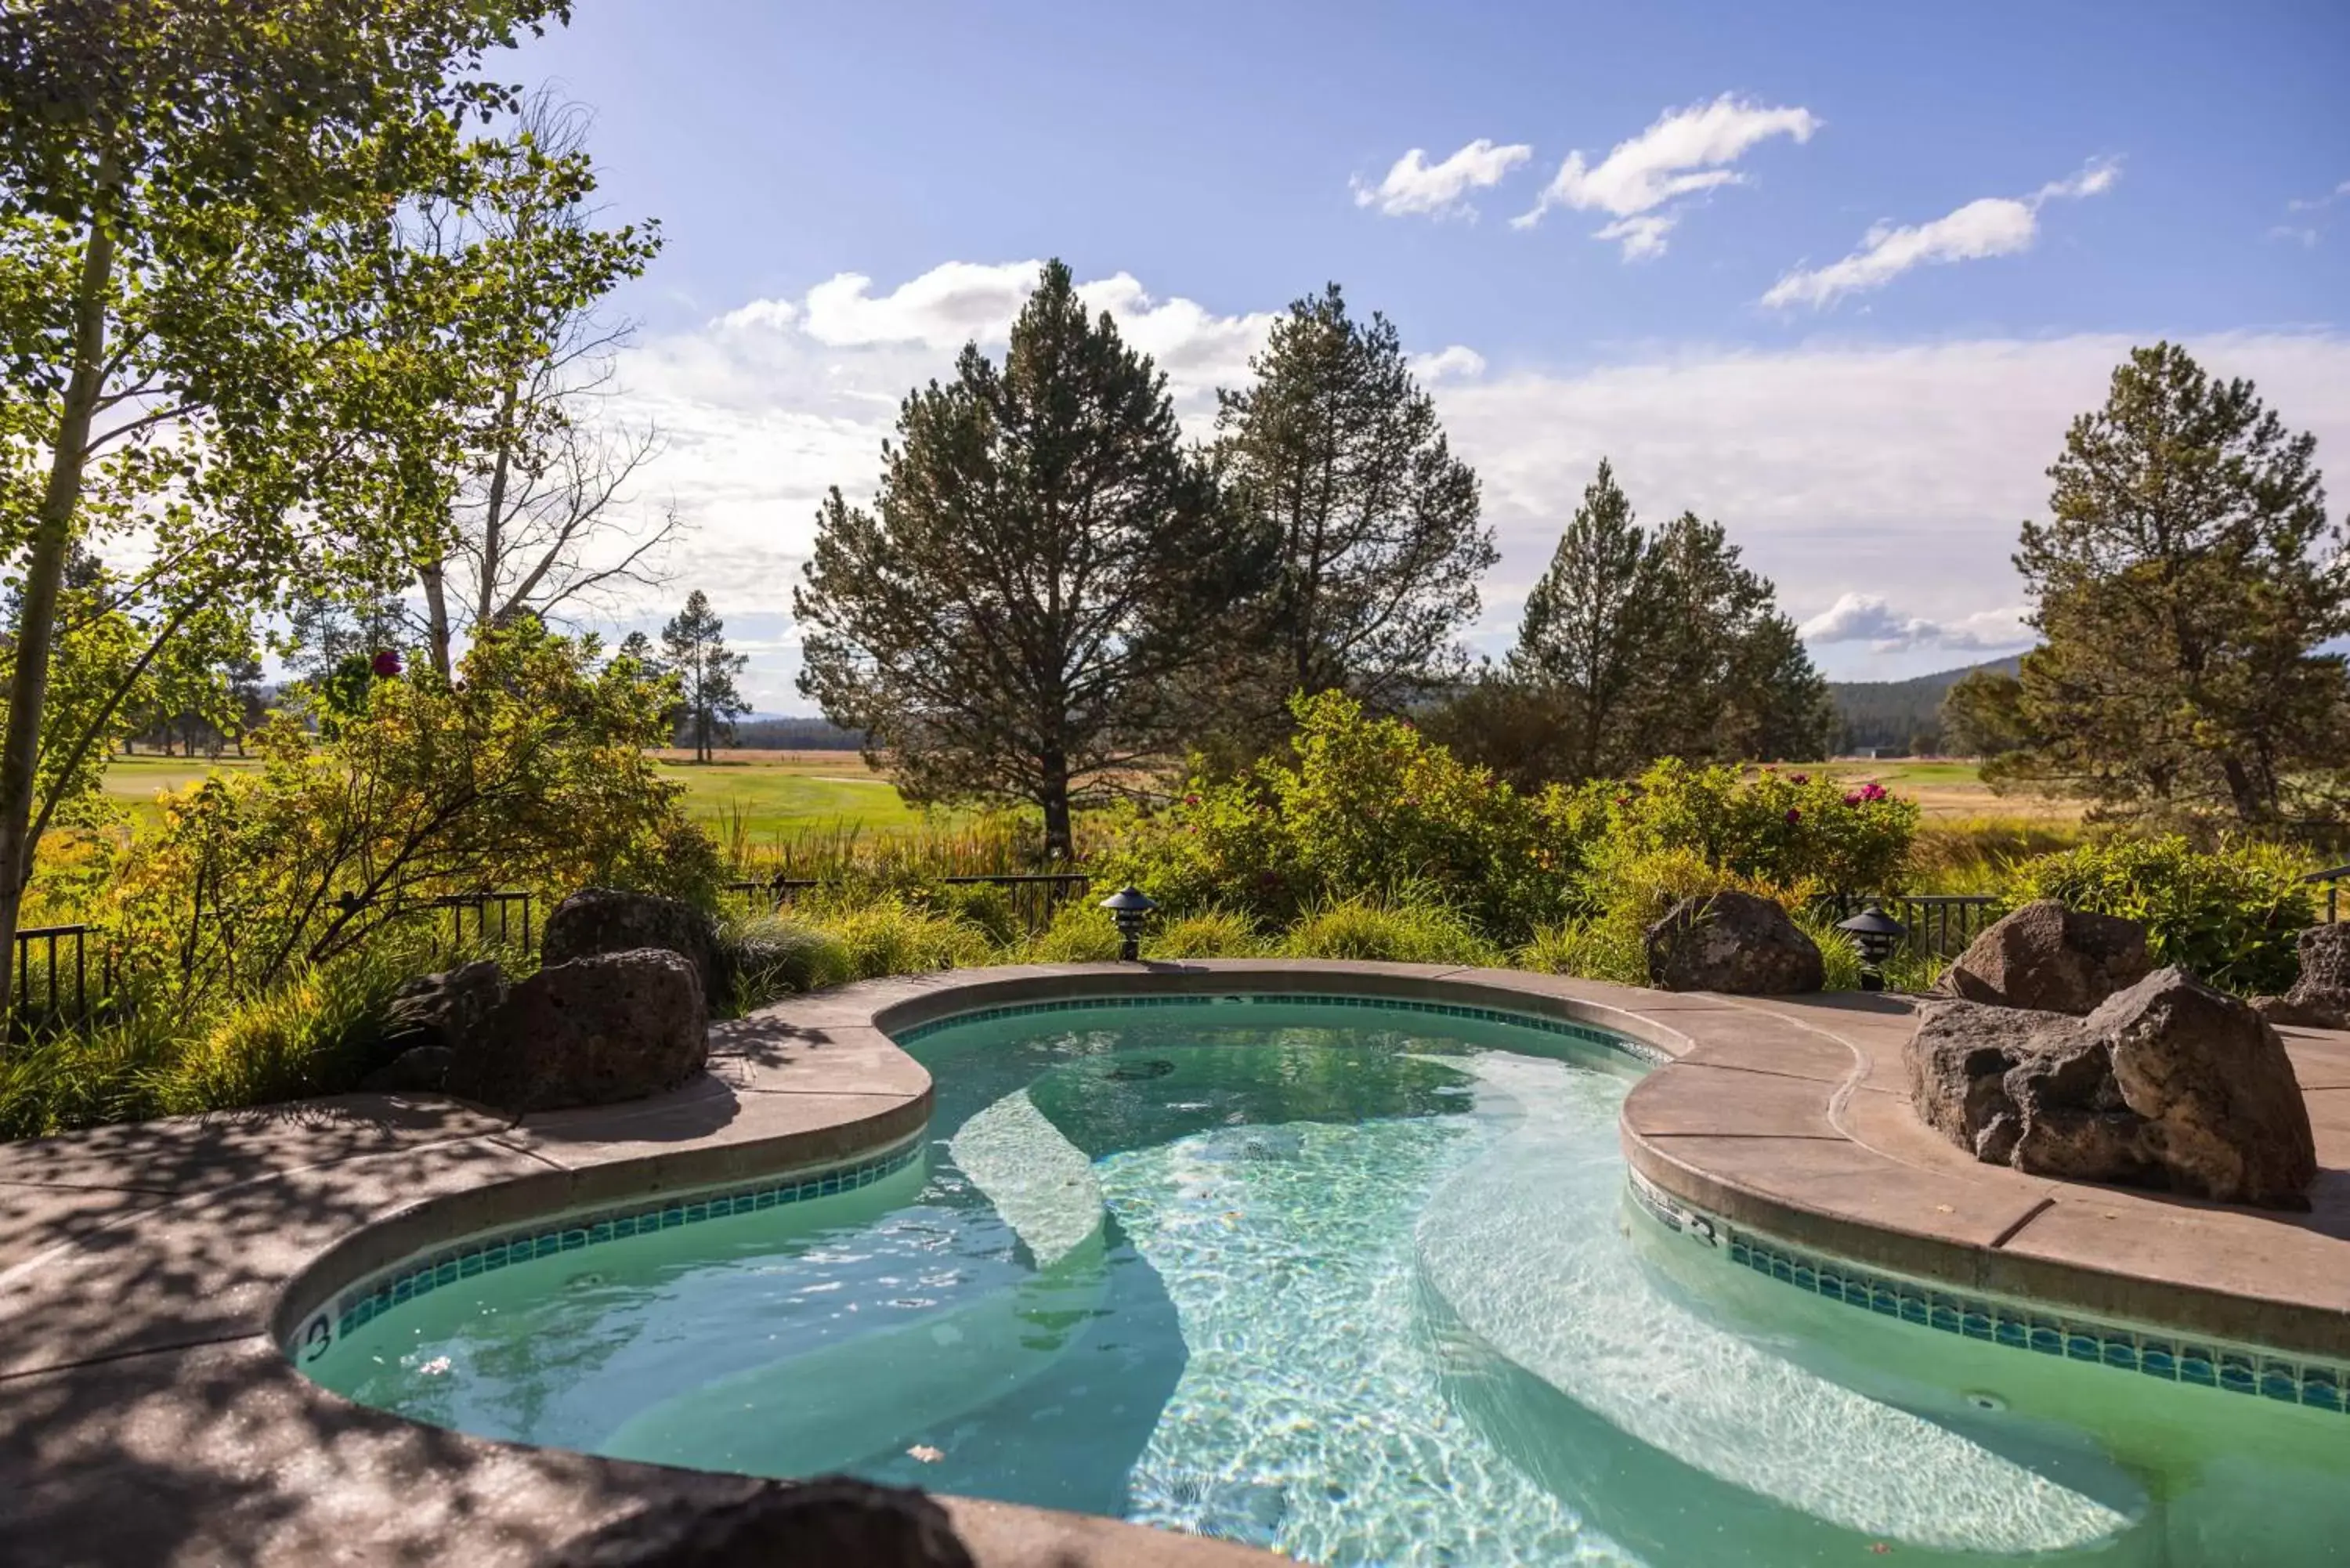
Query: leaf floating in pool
x=1132 y=1072
x=924 y=1452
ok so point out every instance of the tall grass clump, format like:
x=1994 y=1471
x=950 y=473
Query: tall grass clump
x=775 y=957
x=316 y=1031
x=1392 y=933
x=1206 y=934
x=1080 y=933
x=889 y=936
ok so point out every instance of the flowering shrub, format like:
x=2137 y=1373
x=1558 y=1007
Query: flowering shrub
x=1789 y=830
x=1368 y=808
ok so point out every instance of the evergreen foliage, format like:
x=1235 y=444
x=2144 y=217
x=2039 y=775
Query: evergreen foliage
x=2185 y=580
x=695 y=656
x=1336 y=455
x=1044 y=569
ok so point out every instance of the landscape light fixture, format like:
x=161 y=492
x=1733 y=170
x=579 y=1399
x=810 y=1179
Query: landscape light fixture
x=1877 y=935
x=1130 y=907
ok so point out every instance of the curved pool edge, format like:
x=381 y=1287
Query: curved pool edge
x=149 y=1276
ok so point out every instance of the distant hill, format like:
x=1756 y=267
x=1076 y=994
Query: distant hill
x=1895 y=715
x=774 y=733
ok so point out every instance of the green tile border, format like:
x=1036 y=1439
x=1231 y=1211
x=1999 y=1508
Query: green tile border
x=1590 y=1035
x=2173 y=1358
x=412 y=1278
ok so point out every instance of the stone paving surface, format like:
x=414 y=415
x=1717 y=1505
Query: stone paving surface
x=147 y=1273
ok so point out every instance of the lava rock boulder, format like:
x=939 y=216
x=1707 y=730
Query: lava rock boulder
x=611 y=1026
x=2170 y=1083
x=2045 y=958
x=2320 y=999
x=431 y=1022
x=1733 y=942
x=608 y=920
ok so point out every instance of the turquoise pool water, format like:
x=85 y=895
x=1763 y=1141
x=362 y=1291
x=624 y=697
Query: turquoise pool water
x=1360 y=1285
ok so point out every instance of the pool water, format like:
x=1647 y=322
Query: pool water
x=1363 y=1286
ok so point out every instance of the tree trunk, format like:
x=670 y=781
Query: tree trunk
x=37 y=620
x=433 y=577
x=1052 y=795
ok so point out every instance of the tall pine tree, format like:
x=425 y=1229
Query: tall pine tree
x=693 y=646
x=1023 y=610
x=1645 y=644
x=1336 y=455
x=2184 y=581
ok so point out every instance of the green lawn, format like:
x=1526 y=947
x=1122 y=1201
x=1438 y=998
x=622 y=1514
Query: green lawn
x=783 y=792
x=136 y=781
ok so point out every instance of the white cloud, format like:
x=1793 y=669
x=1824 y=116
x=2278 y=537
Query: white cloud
x=1990 y=227
x=1686 y=151
x=1416 y=187
x=2314 y=203
x=1899 y=471
x=1457 y=362
x=1872 y=619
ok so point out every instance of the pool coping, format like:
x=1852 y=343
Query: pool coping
x=149 y=1274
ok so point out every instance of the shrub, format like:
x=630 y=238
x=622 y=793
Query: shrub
x=1210 y=933
x=314 y=1032
x=1411 y=932
x=890 y=936
x=775 y=957
x=2232 y=915
x=528 y=771
x=1367 y=809
x=1783 y=829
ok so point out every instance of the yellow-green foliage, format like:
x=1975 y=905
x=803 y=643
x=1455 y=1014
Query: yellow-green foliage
x=2232 y=915
x=775 y=957
x=890 y=936
x=1081 y=932
x=1839 y=956
x=1210 y=933
x=161 y=1054
x=1395 y=932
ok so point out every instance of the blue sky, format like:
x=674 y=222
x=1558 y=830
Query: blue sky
x=1862 y=261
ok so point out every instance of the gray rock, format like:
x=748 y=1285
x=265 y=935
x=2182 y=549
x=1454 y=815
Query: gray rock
x=1733 y=942
x=419 y=1069
x=614 y=1027
x=445 y=1010
x=2225 y=1113
x=2168 y=1084
x=1959 y=1060
x=606 y=920
x=2045 y=958
x=2320 y=999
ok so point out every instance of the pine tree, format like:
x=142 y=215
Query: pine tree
x=1024 y=610
x=694 y=646
x=1587 y=625
x=1663 y=644
x=1336 y=455
x=2183 y=583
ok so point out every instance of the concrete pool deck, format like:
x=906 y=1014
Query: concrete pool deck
x=149 y=1273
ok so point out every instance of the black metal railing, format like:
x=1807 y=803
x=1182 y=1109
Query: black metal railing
x=54 y=973
x=1035 y=897
x=1941 y=925
x=2329 y=883
x=513 y=909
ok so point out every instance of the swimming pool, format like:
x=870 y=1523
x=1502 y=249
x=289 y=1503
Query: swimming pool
x=1362 y=1282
